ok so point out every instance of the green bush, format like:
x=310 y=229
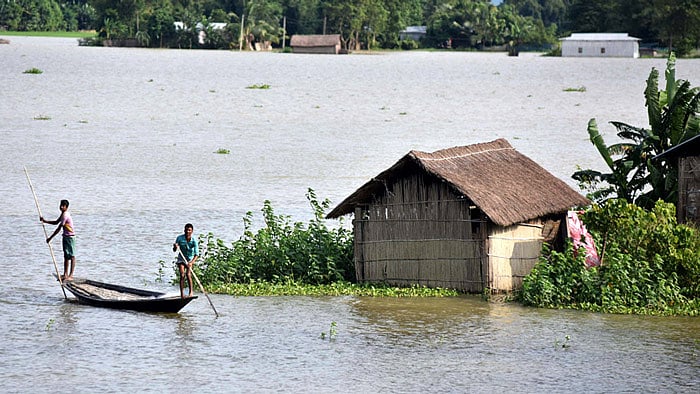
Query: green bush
x=408 y=44
x=281 y=251
x=650 y=265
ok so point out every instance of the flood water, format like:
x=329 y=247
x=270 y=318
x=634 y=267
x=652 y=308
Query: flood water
x=129 y=137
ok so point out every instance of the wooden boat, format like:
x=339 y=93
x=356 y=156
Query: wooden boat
x=107 y=295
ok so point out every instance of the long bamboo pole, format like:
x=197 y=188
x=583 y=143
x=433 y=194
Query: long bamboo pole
x=46 y=234
x=198 y=282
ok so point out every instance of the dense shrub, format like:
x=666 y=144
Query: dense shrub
x=650 y=264
x=281 y=251
x=409 y=44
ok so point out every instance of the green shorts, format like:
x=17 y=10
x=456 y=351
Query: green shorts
x=68 y=247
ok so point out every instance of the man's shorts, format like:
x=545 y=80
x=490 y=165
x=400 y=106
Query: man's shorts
x=68 y=247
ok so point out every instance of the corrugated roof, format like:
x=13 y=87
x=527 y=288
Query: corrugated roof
x=685 y=148
x=505 y=184
x=599 y=37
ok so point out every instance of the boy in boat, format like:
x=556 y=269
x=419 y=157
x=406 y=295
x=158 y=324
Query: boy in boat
x=186 y=245
x=64 y=222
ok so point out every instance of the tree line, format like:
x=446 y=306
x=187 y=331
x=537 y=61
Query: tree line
x=362 y=24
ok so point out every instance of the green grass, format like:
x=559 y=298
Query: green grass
x=33 y=70
x=65 y=34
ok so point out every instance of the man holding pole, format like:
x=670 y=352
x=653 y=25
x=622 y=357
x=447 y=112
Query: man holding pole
x=64 y=222
x=188 y=252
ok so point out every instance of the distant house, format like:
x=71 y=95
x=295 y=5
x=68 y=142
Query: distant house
x=320 y=43
x=600 y=45
x=415 y=33
x=469 y=218
x=201 y=34
x=687 y=157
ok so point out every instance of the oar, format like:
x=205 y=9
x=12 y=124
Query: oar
x=46 y=234
x=198 y=282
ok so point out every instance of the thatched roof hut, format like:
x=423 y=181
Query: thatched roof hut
x=318 y=43
x=479 y=211
x=508 y=186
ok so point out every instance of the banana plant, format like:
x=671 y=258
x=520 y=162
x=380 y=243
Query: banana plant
x=635 y=174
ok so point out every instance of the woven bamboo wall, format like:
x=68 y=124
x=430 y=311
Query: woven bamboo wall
x=689 y=190
x=513 y=251
x=420 y=232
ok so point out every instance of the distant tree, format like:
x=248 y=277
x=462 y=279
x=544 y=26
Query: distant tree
x=32 y=15
x=161 y=26
x=548 y=11
x=678 y=22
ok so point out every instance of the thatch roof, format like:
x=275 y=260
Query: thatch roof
x=315 y=40
x=506 y=185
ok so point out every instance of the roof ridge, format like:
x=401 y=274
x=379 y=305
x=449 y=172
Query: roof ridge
x=466 y=154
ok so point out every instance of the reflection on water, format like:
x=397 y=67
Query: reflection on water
x=129 y=138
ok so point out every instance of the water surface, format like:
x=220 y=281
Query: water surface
x=129 y=135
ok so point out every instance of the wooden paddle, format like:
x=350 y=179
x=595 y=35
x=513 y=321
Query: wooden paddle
x=198 y=282
x=46 y=234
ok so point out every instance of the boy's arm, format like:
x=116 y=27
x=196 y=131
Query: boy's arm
x=57 y=221
x=54 y=233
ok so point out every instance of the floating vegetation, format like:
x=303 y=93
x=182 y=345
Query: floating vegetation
x=42 y=117
x=49 y=324
x=212 y=91
x=563 y=344
x=578 y=89
x=256 y=288
x=256 y=86
x=332 y=332
x=82 y=121
x=403 y=113
x=222 y=151
x=32 y=70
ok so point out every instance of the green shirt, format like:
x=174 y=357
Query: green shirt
x=189 y=249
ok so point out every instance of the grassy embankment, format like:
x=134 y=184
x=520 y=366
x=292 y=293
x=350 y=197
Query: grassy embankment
x=63 y=34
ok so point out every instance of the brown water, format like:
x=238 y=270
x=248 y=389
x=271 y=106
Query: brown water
x=129 y=137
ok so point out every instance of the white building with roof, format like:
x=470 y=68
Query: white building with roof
x=413 y=33
x=599 y=45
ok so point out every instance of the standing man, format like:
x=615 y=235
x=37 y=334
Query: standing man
x=186 y=245
x=64 y=222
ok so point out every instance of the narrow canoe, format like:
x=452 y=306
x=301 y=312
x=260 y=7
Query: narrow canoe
x=107 y=295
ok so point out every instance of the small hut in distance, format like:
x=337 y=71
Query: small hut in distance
x=316 y=43
x=469 y=218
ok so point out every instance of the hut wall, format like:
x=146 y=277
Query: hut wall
x=420 y=232
x=689 y=190
x=512 y=253
x=327 y=50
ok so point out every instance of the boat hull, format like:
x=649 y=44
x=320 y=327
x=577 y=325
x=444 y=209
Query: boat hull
x=105 y=295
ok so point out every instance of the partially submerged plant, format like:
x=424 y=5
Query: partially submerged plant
x=332 y=332
x=32 y=70
x=256 y=86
